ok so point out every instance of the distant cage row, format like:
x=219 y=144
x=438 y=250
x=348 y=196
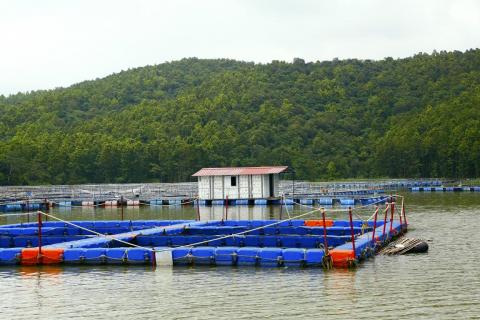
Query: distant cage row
x=445 y=189
x=325 y=201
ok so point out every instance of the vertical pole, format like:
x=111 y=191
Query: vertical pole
x=226 y=208
x=46 y=208
x=198 y=208
x=404 y=215
x=282 y=203
x=351 y=232
x=374 y=226
x=392 y=211
x=121 y=206
x=325 y=241
x=385 y=219
x=154 y=259
x=39 y=213
x=400 y=216
x=293 y=185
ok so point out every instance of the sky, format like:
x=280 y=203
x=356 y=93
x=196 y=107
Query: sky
x=55 y=43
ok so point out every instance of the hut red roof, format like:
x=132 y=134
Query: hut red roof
x=239 y=171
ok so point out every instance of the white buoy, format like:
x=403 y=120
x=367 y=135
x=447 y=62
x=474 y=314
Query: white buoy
x=164 y=258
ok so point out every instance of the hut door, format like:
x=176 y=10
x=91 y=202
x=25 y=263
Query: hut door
x=270 y=184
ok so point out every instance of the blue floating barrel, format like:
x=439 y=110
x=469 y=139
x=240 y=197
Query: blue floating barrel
x=449 y=189
x=175 y=202
x=201 y=202
x=426 y=189
x=252 y=241
x=203 y=255
x=115 y=255
x=218 y=202
x=226 y=256
x=13 y=207
x=288 y=202
x=306 y=201
x=290 y=241
x=347 y=202
x=155 y=202
x=314 y=257
x=5 y=242
x=325 y=201
x=439 y=189
x=247 y=256
x=31 y=206
x=74 y=255
x=415 y=189
x=181 y=255
x=95 y=255
x=309 y=242
x=270 y=257
x=242 y=202
x=270 y=241
x=138 y=255
x=261 y=202
x=10 y=256
x=293 y=257
x=476 y=189
x=65 y=204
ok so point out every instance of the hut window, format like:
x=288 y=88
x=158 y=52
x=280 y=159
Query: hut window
x=233 y=181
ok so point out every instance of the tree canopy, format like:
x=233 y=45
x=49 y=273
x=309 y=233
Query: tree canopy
x=412 y=117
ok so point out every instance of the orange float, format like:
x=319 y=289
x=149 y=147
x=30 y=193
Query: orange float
x=31 y=256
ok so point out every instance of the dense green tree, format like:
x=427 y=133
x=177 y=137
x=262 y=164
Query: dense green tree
x=412 y=117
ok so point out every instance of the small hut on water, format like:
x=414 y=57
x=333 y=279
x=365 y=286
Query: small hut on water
x=239 y=182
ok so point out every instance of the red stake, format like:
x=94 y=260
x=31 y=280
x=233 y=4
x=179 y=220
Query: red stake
x=39 y=259
x=198 y=208
x=392 y=211
x=226 y=208
x=374 y=226
x=385 y=219
x=351 y=232
x=404 y=215
x=154 y=259
x=325 y=241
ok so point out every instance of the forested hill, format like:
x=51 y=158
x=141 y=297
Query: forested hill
x=412 y=117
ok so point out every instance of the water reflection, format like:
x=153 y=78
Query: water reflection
x=443 y=284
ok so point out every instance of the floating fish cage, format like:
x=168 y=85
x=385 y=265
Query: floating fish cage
x=446 y=189
x=265 y=243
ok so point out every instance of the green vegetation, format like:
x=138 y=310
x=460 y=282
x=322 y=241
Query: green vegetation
x=412 y=117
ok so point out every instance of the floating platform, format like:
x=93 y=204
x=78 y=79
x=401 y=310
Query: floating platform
x=265 y=243
x=445 y=189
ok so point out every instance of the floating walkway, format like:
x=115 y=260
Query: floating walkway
x=445 y=189
x=26 y=206
x=267 y=243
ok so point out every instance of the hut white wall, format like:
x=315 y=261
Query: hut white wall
x=257 y=186
x=247 y=187
x=218 y=187
x=244 y=190
x=276 y=185
x=204 y=188
x=231 y=191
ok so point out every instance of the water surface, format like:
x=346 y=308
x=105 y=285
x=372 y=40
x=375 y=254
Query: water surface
x=443 y=284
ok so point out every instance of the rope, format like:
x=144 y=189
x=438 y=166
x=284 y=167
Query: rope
x=182 y=246
x=342 y=210
x=173 y=204
x=18 y=214
x=94 y=232
x=285 y=205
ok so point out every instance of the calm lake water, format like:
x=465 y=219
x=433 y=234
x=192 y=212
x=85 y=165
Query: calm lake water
x=443 y=284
